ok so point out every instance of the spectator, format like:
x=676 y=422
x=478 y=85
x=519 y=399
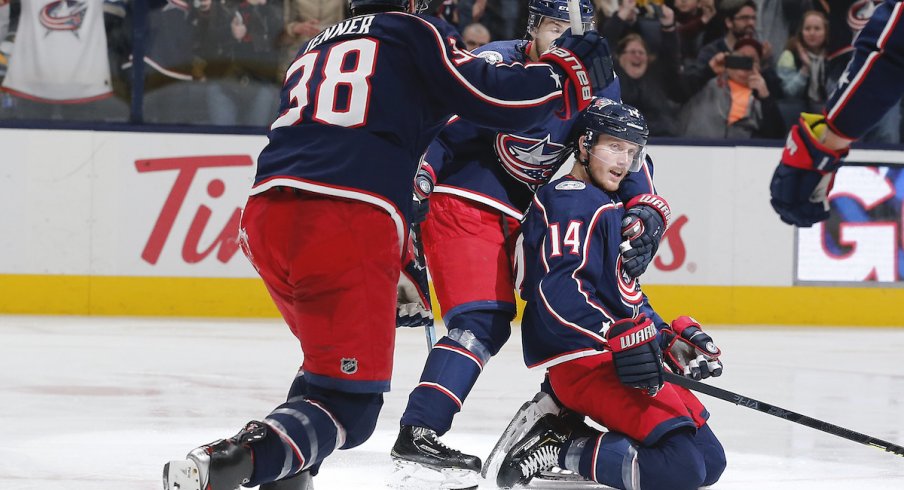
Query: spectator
x=171 y=93
x=802 y=67
x=631 y=18
x=776 y=20
x=740 y=22
x=470 y=11
x=692 y=17
x=475 y=36
x=304 y=20
x=242 y=68
x=737 y=103
x=656 y=87
x=502 y=18
x=58 y=68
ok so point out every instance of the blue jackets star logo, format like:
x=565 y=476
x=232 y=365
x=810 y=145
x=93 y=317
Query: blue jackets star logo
x=529 y=160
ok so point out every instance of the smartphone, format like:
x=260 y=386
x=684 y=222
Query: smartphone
x=739 y=62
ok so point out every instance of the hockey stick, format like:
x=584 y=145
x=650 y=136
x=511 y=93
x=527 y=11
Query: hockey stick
x=782 y=413
x=574 y=17
x=429 y=330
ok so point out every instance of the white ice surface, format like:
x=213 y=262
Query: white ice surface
x=102 y=403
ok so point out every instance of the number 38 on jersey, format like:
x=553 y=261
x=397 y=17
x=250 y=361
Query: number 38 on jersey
x=331 y=86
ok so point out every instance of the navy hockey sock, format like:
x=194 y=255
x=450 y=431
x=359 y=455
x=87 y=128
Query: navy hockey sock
x=453 y=366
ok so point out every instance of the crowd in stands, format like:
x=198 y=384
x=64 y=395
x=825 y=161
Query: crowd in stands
x=696 y=68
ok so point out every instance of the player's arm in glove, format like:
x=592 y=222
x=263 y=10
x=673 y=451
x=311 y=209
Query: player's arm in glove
x=586 y=63
x=801 y=182
x=636 y=353
x=646 y=219
x=689 y=351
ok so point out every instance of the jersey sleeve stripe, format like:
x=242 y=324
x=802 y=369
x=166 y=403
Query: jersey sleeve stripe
x=583 y=331
x=467 y=84
x=345 y=192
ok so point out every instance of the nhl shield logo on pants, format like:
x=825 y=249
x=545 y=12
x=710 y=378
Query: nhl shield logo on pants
x=349 y=365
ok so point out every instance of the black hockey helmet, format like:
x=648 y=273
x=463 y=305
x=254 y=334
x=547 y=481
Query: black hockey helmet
x=557 y=9
x=606 y=116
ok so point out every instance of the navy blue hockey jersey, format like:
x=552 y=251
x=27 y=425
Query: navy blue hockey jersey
x=365 y=97
x=573 y=284
x=502 y=170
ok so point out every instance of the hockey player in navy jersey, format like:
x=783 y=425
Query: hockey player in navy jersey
x=328 y=212
x=872 y=83
x=588 y=324
x=484 y=181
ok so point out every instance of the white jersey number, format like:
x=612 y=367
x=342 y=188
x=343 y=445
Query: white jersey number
x=349 y=110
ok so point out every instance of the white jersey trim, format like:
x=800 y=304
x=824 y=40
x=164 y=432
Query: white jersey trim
x=481 y=198
x=565 y=358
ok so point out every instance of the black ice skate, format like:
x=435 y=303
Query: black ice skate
x=220 y=465
x=525 y=418
x=422 y=461
x=538 y=451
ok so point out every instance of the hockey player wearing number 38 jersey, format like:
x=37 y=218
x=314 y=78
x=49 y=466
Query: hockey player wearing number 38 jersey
x=329 y=207
x=589 y=326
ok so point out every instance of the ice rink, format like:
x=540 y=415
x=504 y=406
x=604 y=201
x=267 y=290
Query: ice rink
x=102 y=403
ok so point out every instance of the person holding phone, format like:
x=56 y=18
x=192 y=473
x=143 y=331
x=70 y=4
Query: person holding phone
x=737 y=103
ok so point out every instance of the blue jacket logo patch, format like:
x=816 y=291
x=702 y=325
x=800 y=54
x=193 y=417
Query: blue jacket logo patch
x=529 y=160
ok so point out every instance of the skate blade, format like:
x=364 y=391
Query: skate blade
x=528 y=415
x=559 y=474
x=181 y=475
x=408 y=475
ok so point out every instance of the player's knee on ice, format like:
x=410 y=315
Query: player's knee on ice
x=673 y=463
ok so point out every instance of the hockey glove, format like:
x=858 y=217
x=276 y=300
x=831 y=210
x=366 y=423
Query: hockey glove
x=803 y=179
x=414 y=308
x=636 y=353
x=424 y=182
x=689 y=351
x=645 y=221
x=586 y=62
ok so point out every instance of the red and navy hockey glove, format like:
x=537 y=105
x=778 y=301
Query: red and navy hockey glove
x=803 y=179
x=689 y=351
x=636 y=353
x=586 y=62
x=414 y=308
x=646 y=219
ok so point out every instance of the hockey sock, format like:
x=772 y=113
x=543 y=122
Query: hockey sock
x=453 y=366
x=301 y=434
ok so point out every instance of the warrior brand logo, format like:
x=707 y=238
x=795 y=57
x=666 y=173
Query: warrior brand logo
x=348 y=365
x=63 y=15
x=638 y=337
x=529 y=160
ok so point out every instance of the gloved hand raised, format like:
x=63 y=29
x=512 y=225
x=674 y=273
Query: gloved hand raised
x=646 y=219
x=586 y=62
x=803 y=179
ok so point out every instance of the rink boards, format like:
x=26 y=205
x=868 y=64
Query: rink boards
x=119 y=223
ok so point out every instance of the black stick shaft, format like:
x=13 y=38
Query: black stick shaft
x=782 y=413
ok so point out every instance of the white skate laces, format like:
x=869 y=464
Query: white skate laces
x=540 y=460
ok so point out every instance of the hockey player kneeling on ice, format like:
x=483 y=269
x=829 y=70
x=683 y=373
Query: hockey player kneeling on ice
x=590 y=326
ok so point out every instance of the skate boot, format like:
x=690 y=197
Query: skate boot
x=538 y=451
x=221 y=465
x=526 y=417
x=422 y=461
